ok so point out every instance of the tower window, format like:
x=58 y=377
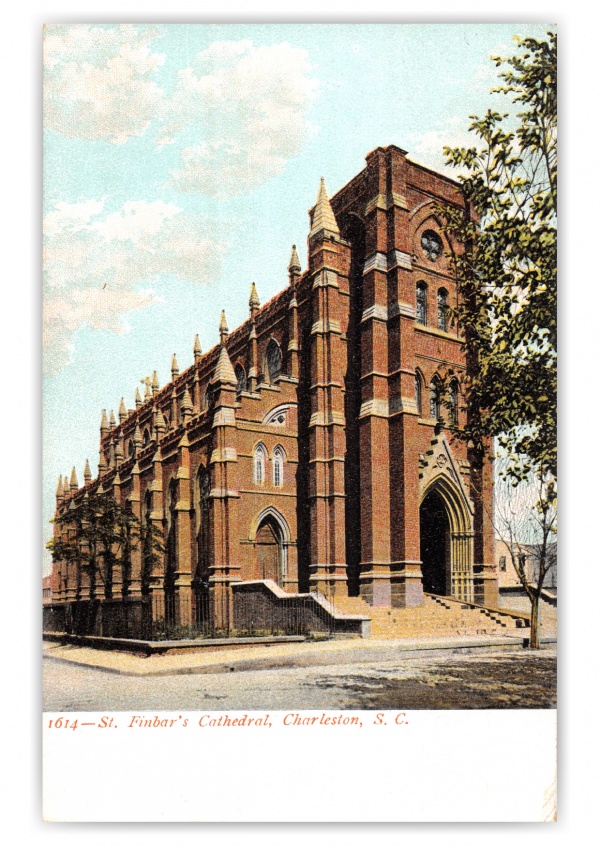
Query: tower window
x=259 y=464
x=434 y=400
x=422 y=303
x=273 y=360
x=454 y=403
x=431 y=244
x=442 y=309
x=278 y=467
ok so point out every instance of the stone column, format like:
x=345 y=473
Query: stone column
x=134 y=588
x=329 y=266
x=224 y=566
x=183 y=537
x=157 y=572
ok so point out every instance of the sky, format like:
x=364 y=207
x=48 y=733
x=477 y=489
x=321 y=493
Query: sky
x=180 y=161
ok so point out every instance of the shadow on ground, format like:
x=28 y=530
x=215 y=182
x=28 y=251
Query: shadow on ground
x=494 y=682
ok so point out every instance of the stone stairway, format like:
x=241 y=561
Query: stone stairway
x=439 y=616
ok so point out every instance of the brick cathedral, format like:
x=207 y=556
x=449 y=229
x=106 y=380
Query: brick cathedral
x=308 y=448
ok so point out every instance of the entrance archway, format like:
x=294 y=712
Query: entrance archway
x=435 y=545
x=271 y=538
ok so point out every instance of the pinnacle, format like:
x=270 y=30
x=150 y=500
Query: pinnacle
x=254 y=301
x=112 y=422
x=323 y=219
x=174 y=367
x=87 y=473
x=223 y=330
x=186 y=402
x=224 y=372
x=138 y=398
x=74 y=485
x=122 y=411
x=294 y=260
x=104 y=422
x=59 y=488
x=160 y=422
x=197 y=348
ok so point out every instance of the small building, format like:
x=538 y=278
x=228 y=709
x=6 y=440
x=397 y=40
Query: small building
x=529 y=557
x=47 y=590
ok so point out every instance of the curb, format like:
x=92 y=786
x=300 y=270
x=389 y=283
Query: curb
x=413 y=652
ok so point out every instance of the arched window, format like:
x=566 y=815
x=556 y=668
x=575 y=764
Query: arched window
x=146 y=436
x=259 y=464
x=130 y=448
x=273 y=360
x=422 y=303
x=207 y=400
x=240 y=377
x=278 y=466
x=419 y=394
x=442 y=309
x=454 y=403
x=434 y=400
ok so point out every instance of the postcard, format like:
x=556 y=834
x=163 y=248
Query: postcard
x=299 y=422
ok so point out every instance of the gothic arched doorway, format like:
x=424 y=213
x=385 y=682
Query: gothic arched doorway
x=271 y=539
x=435 y=546
x=268 y=550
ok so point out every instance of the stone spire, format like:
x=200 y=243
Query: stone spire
x=223 y=330
x=294 y=261
x=323 y=220
x=87 y=473
x=197 y=349
x=59 y=490
x=160 y=424
x=112 y=422
x=155 y=385
x=138 y=398
x=122 y=411
x=74 y=485
x=102 y=465
x=137 y=437
x=104 y=423
x=186 y=406
x=224 y=372
x=174 y=367
x=253 y=302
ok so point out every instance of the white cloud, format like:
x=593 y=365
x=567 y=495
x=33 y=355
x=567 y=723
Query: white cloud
x=240 y=112
x=427 y=148
x=247 y=107
x=96 y=265
x=98 y=81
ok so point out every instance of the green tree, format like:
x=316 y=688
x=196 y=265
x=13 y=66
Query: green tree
x=505 y=265
x=101 y=535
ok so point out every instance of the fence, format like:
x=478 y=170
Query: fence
x=257 y=609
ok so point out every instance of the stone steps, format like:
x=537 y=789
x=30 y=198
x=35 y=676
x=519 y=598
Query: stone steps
x=437 y=617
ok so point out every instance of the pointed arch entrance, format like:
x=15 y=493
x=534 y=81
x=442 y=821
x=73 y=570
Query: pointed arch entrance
x=435 y=546
x=270 y=534
x=446 y=533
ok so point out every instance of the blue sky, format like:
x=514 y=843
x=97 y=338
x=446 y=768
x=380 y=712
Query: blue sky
x=179 y=165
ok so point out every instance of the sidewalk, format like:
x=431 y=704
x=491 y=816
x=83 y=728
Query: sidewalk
x=277 y=656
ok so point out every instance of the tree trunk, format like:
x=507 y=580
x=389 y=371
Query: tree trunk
x=534 y=637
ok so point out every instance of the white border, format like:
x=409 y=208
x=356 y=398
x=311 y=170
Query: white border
x=20 y=52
